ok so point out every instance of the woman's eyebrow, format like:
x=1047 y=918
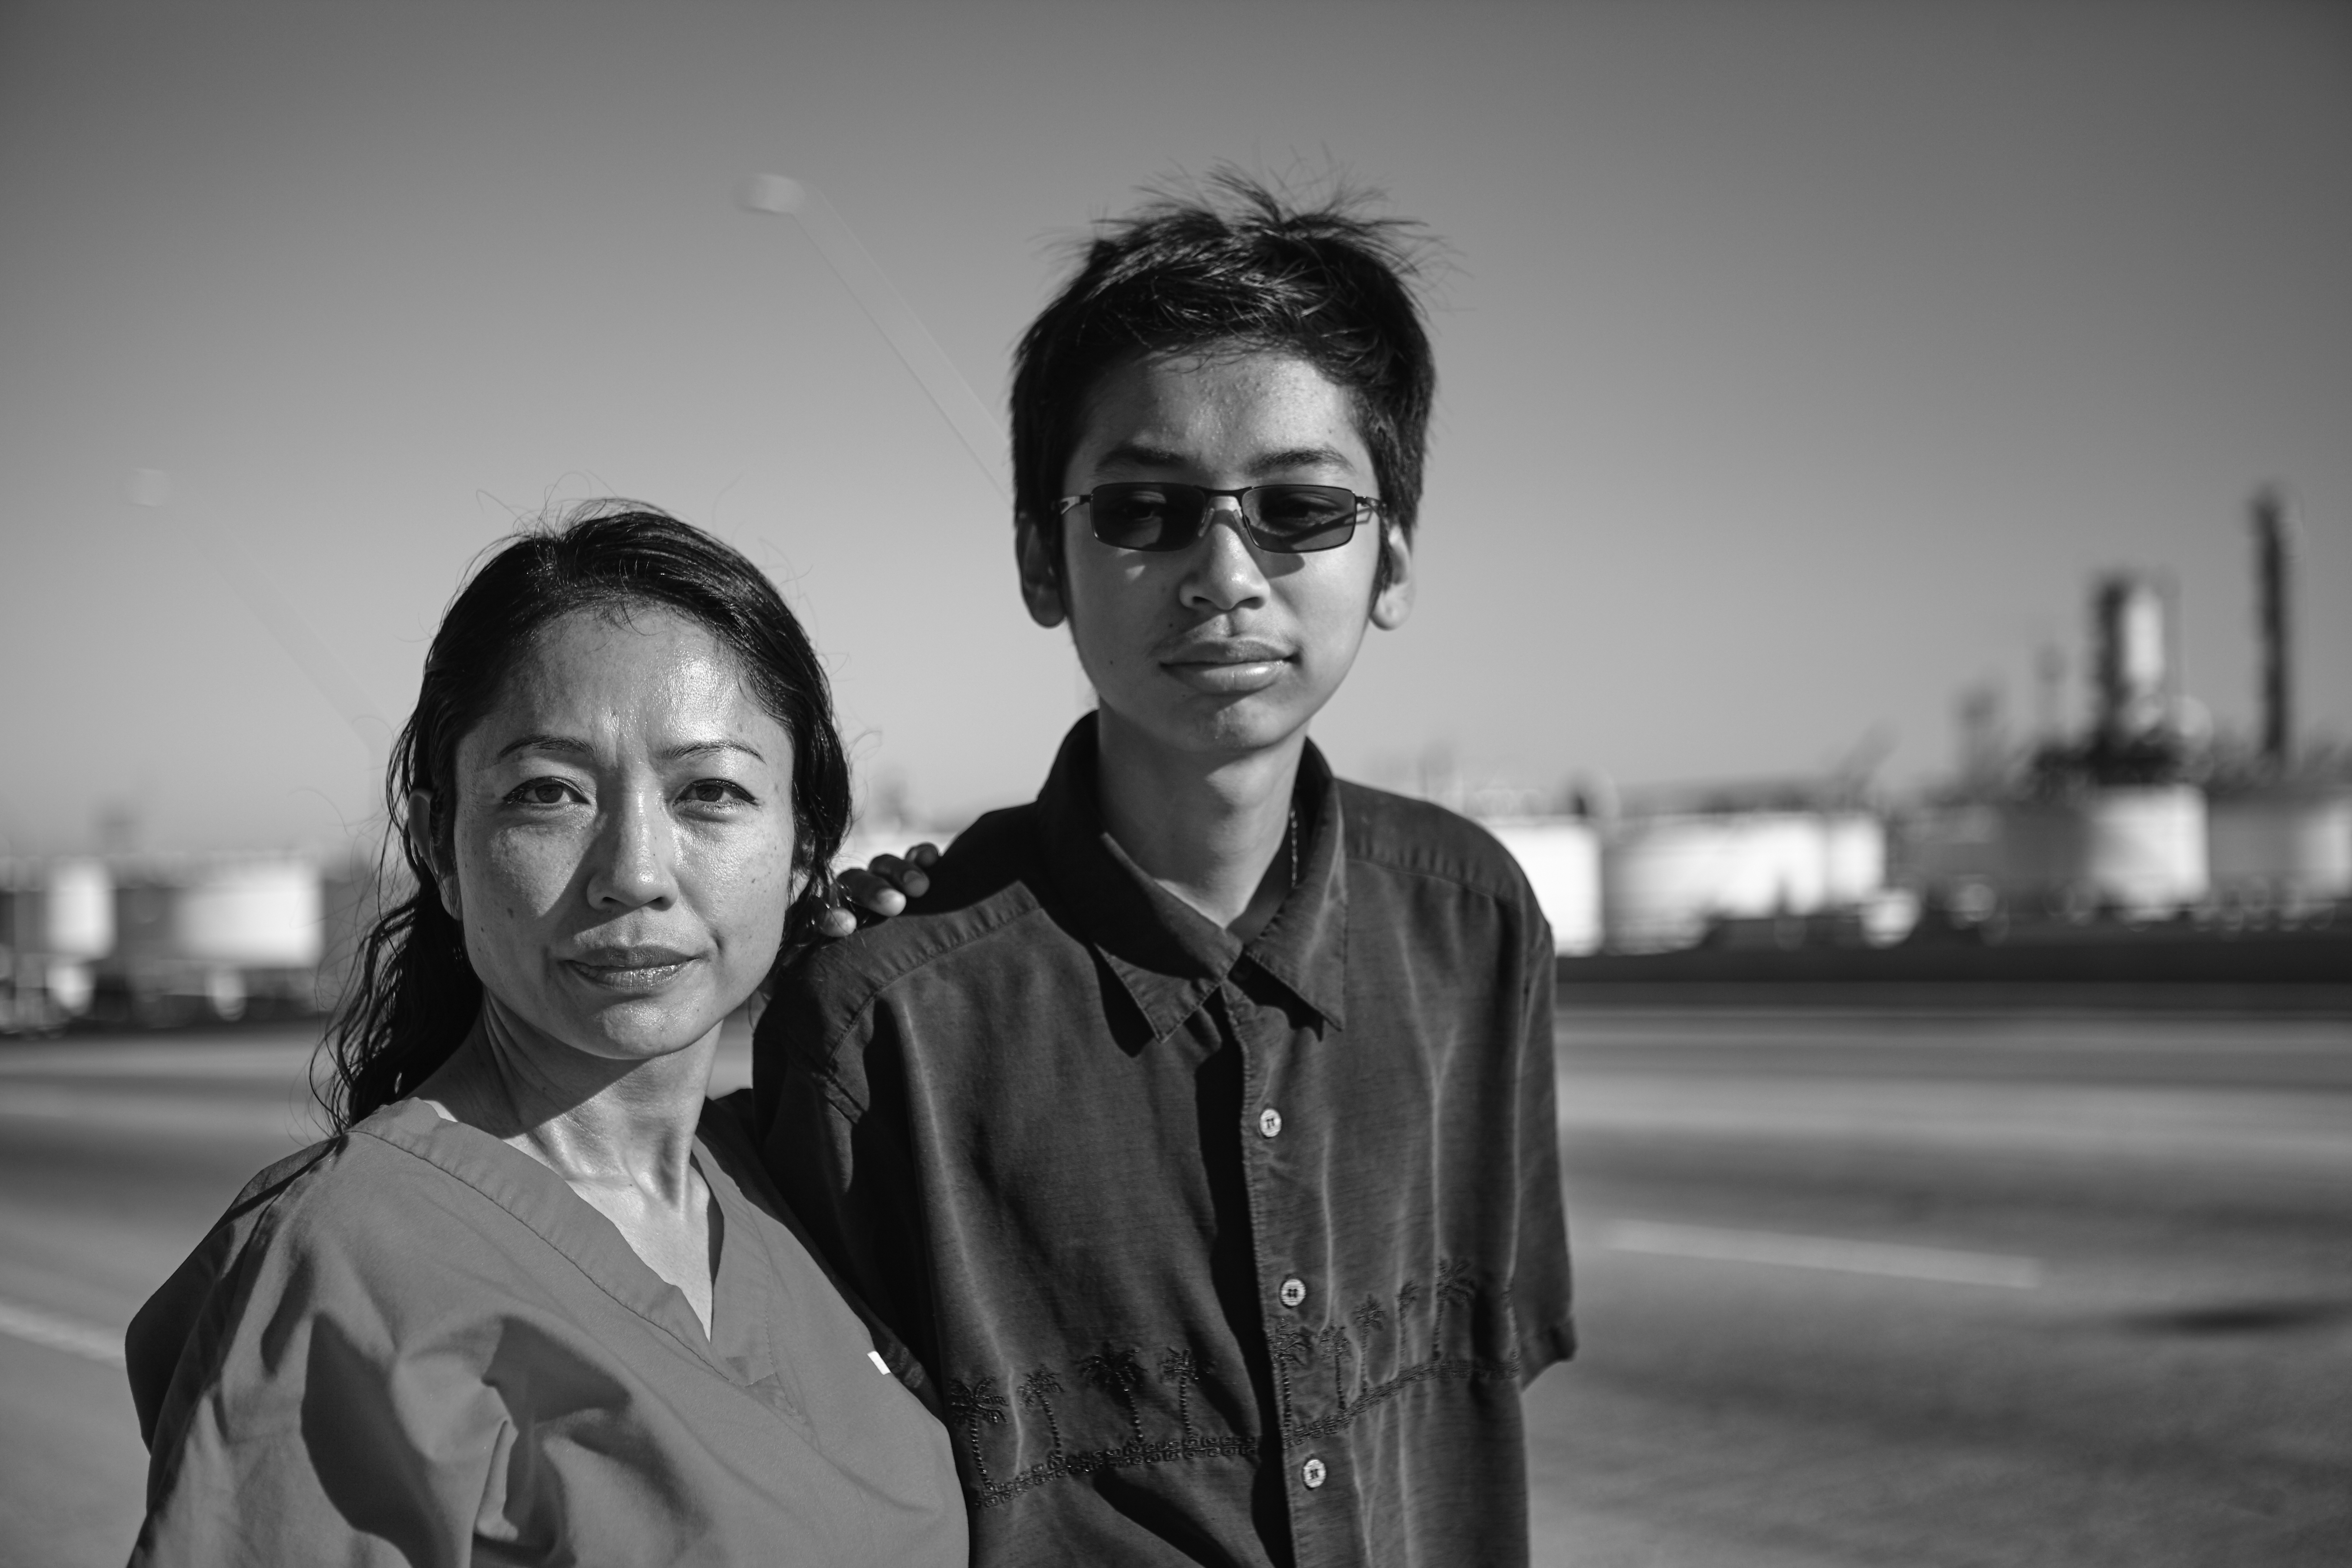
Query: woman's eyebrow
x=705 y=748
x=567 y=745
x=572 y=746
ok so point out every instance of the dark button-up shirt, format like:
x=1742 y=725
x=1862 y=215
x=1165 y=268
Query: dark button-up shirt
x=1219 y=1251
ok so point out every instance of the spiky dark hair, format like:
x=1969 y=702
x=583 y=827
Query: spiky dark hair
x=1230 y=261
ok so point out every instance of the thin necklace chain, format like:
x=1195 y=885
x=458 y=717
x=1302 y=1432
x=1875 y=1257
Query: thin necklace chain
x=1293 y=837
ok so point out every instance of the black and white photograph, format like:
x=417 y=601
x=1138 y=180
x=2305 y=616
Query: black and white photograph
x=1327 y=784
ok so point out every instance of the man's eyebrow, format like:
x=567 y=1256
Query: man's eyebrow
x=1300 y=458
x=1141 y=455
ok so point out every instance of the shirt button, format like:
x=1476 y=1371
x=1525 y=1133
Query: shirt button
x=1294 y=1291
x=1270 y=1123
x=1313 y=1473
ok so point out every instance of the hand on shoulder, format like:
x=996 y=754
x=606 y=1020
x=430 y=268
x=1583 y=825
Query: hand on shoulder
x=880 y=890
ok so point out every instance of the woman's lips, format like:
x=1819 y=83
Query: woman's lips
x=634 y=970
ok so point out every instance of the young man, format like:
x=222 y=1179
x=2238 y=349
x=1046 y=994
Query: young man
x=1195 y=1130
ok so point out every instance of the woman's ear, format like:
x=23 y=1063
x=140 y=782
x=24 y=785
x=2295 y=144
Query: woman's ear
x=423 y=837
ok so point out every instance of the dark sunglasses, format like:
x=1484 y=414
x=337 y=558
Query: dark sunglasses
x=1290 y=520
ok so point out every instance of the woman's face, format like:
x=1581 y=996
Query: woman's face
x=624 y=835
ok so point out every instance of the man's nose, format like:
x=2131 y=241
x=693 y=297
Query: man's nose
x=1226 y=574
x=635 y=856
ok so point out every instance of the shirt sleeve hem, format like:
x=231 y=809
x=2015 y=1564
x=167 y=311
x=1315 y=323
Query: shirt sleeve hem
x=1546 y=1347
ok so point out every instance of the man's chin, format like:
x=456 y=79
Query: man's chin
x=1232 y=726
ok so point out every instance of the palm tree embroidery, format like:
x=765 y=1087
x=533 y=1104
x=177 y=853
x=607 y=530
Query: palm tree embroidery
x=1114 y=1372
x=1292 y=1347
x=976 y=1404
x=1452 y=1288
x=1369 y=1321
x=1183 y=1369
x=1335 y=1346
x=1408 y=1298
x=1037 y=1391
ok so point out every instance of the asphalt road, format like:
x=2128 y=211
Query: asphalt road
x=1856 y=1290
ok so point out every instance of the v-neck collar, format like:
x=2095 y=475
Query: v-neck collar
x=738 y=1344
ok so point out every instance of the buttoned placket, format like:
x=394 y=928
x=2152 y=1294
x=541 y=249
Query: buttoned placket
x=1294 y=1298
x=1267 y=1000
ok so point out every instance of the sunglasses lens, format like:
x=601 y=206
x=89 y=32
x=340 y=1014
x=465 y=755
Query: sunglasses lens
x=1304 y=517
x=1146 y=517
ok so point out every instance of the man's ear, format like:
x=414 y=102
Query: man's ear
x=422 y=842
x=1393 y=603
x=1036 y=549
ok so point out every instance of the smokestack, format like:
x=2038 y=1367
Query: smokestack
x=2049 y=692
x=2274 y=624
x=2131 y=666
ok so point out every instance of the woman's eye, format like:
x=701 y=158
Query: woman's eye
x=716 y=792
x=543 y=791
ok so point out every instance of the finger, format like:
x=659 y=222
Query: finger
x=835 y=924
x=900 y=875
x=907 y=872
x=869 y=891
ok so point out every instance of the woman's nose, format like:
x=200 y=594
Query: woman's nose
x=635 y=857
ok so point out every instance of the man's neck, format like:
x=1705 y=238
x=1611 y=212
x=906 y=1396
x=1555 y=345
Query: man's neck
x=1207 y=828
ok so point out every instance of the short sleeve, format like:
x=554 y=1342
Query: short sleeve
x=1540 y=1291
x=305 y=1423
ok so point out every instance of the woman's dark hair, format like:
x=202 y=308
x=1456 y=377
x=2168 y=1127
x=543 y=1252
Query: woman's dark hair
x=1232 y=264
x=413 y=994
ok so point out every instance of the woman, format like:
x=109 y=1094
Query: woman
x=534 y=1300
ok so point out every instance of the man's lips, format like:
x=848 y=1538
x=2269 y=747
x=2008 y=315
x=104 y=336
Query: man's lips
x=1227 y=666
x=1225 y=651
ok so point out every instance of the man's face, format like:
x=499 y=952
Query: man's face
x=1217 y=647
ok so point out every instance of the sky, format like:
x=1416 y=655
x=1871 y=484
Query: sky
x=1799 y=361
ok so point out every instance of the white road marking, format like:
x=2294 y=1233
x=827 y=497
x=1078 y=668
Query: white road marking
x=1886 y=1258
x=2267 y=1127
x=279 y=1116
x=272 y=1061
x=61 y=1334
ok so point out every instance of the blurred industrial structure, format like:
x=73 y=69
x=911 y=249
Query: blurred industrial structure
x=169 y=939
x=2144 y=822
x=2143 y=819
x=2147 y=814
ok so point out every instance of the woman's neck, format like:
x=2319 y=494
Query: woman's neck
x=594 y=1120
x=620 y=1133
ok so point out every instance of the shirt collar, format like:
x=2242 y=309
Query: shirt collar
x=1167 y=955
x=543 y=1202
